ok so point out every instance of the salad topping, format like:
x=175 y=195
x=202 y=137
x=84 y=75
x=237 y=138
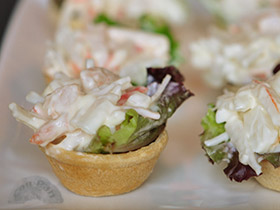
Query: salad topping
x=245 y=124
x=126 y=52
x=101 y=112
x=240 y=53
x=80 y=13
x=230 y=11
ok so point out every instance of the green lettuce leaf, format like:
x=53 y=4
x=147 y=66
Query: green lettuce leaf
x=212 y=129
x=209 y=124
x=155 y=25
x=135 y=132
x=103 y=18
x=273 y=158
x=106 y=141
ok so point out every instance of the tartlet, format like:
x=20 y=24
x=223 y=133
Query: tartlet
x=242 y=129
x=104 y=174
x=102 y=135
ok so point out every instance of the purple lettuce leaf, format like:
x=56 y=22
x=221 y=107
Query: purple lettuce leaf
x=158 y=74
x=238 y=171
x=276 y=69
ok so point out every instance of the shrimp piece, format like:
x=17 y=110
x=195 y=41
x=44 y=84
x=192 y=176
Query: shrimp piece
x=50 y=131
x=61 y=99
x=60 y=80
x=96 y=78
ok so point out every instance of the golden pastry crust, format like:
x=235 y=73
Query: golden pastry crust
x=104 y=174
x=270 y=177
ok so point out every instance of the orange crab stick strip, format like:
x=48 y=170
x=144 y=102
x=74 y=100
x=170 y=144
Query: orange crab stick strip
x=126 y=95
x=269 y=94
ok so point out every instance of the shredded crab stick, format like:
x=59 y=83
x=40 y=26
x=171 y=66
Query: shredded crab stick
x=77 y=108
x=161 y=88
x=28 y=118
x=130 y=92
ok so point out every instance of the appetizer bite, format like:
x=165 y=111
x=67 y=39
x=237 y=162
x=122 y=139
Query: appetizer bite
x=81 y=13
x=232 y=11
x=101 y=134
x=242 y=130
x=125 y=52
x=240 y=53
x=151 y=24
x=124 y=48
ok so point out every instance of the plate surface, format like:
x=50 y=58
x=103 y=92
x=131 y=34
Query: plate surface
x=182 y=178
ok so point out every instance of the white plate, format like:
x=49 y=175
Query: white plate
x=182 y=178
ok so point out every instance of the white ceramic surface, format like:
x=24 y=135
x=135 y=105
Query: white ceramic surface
x=182 y=178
